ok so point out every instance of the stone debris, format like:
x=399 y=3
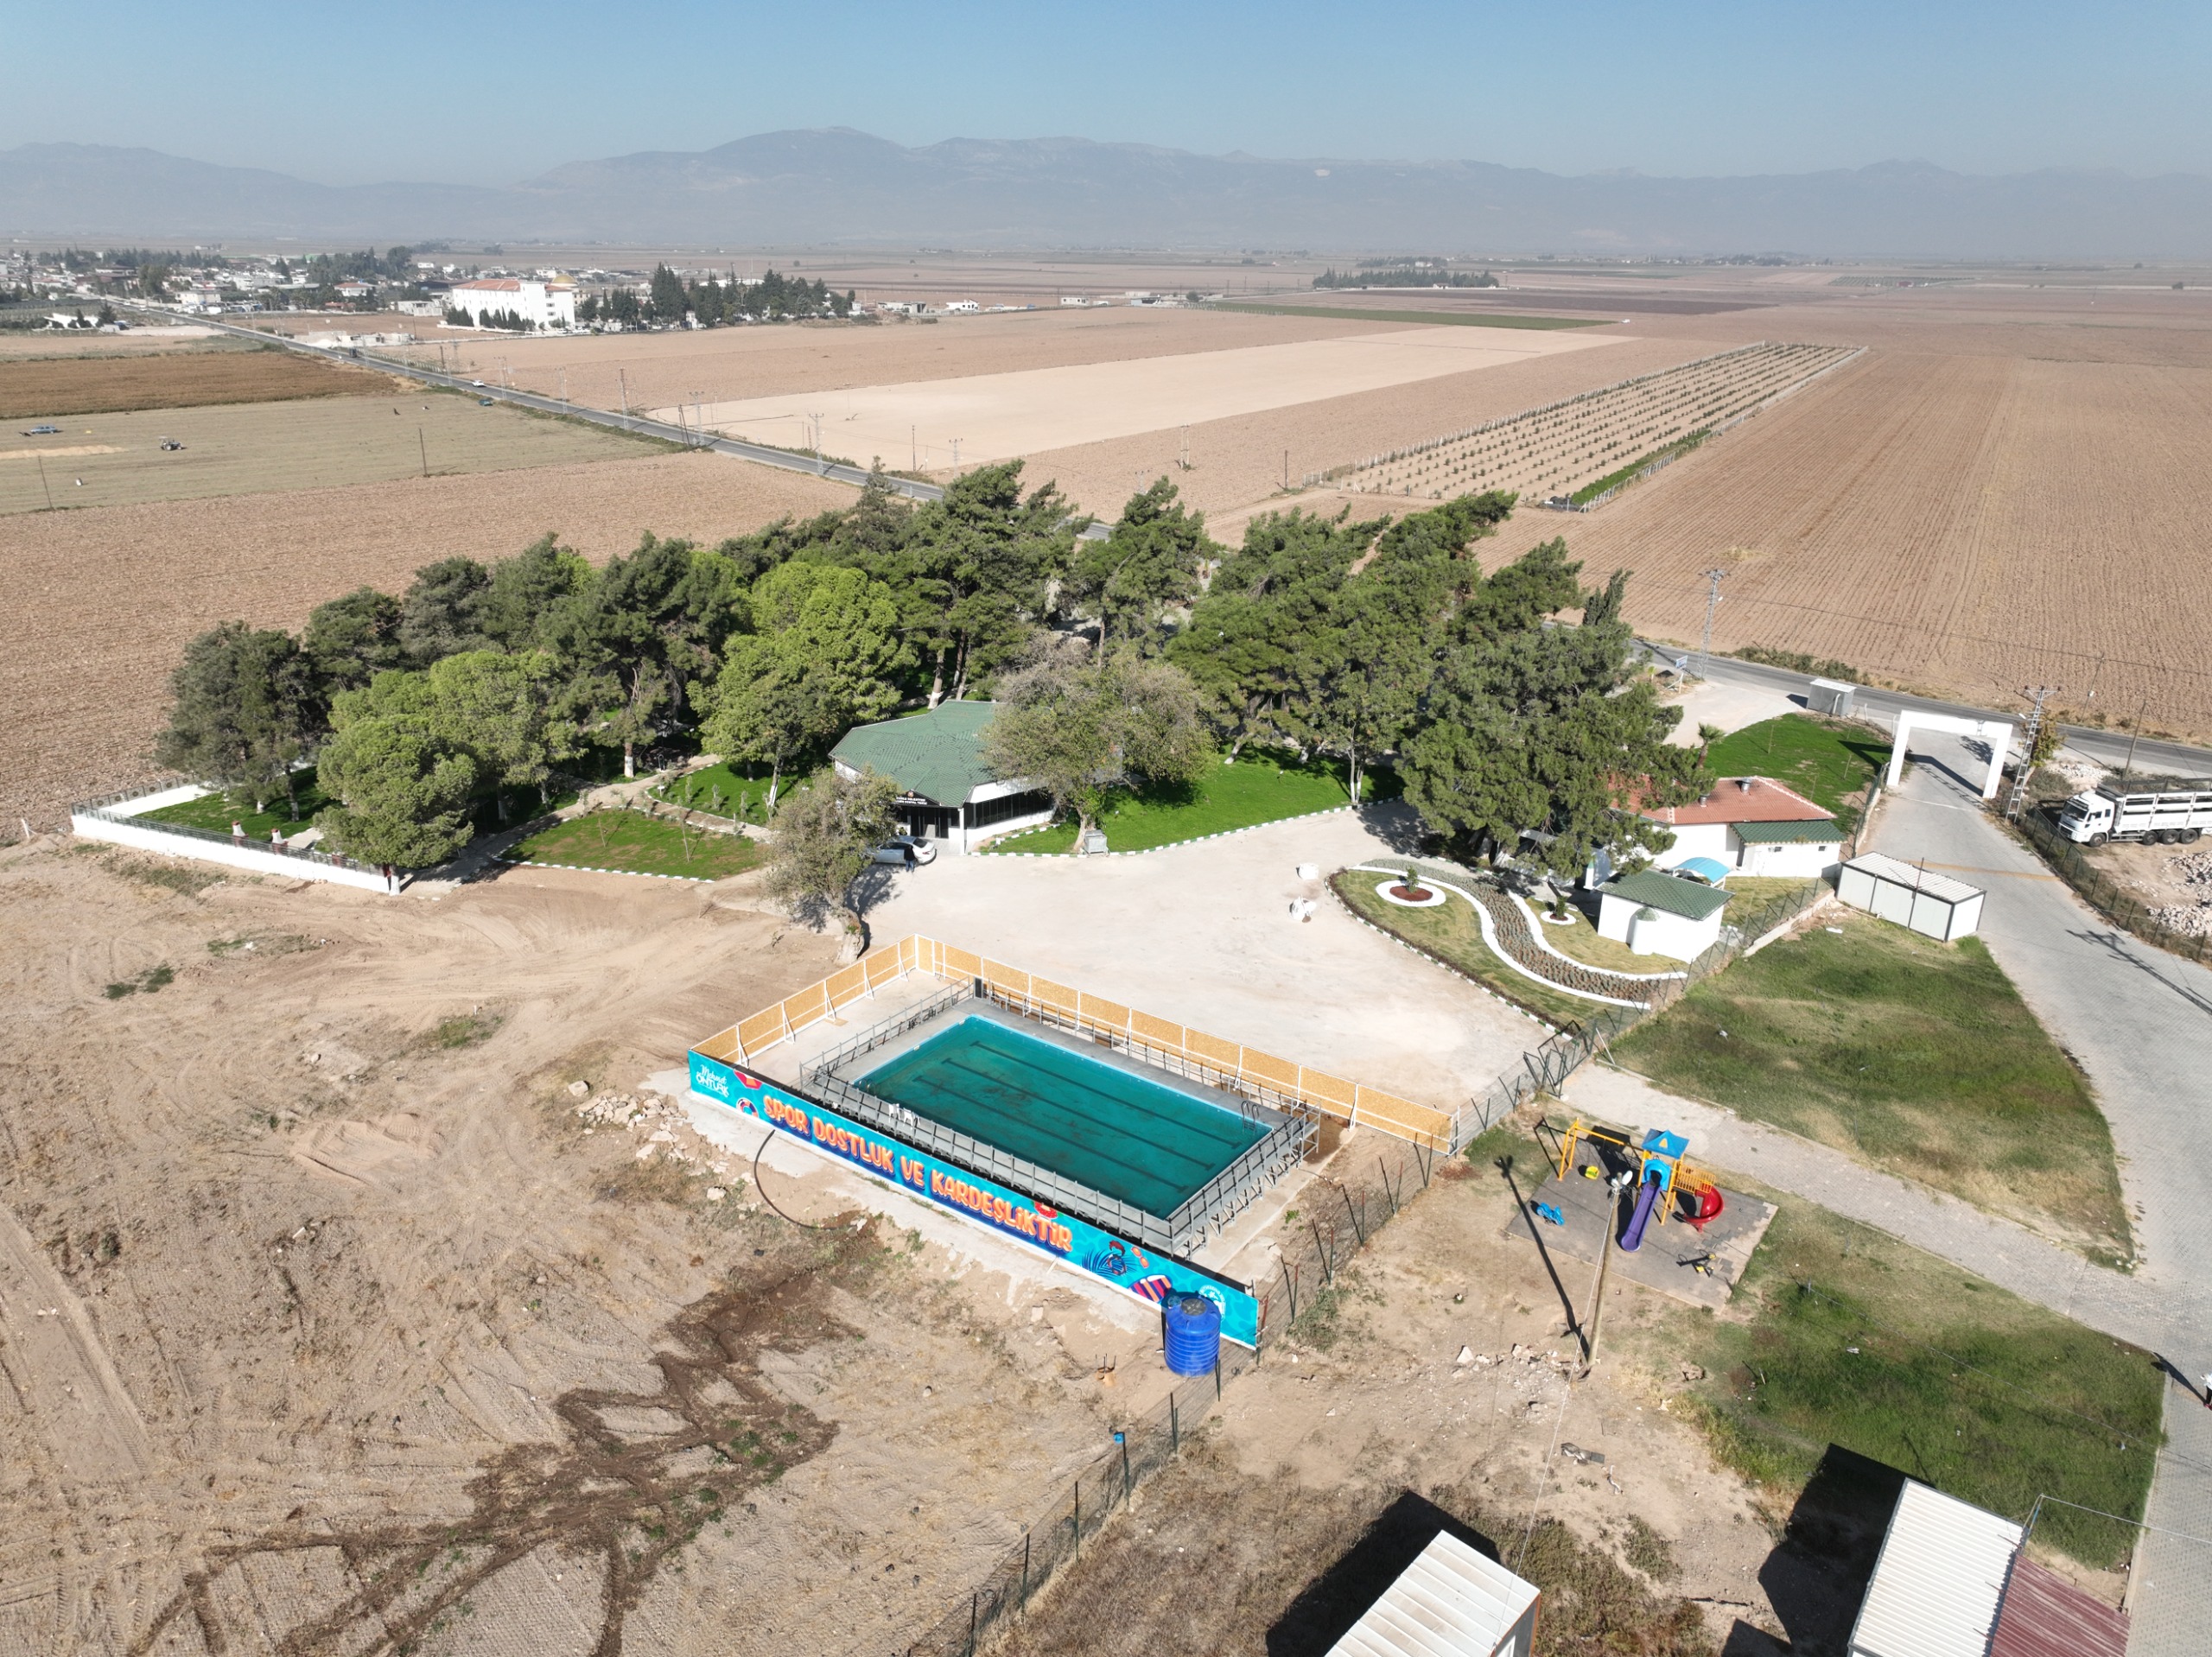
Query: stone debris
x=1466 y=1355
x=666 y=1129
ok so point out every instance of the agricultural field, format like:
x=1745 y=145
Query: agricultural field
x=117 y=460
x=101 y=601
x=217 y=374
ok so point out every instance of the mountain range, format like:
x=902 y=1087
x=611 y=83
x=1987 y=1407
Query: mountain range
x=839 y=188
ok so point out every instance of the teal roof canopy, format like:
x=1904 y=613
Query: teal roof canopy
x=1664 y=893
x=937 y=755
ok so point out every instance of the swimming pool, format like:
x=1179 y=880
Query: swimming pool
x=1108 y=1125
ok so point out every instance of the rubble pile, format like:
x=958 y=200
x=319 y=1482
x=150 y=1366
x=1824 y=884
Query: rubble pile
x=662 y=1127
x=2194 y=870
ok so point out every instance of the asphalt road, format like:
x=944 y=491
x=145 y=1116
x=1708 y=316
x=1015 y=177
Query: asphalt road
x=2107 y=748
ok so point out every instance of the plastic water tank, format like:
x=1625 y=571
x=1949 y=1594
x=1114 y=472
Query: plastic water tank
x=1193 y=1335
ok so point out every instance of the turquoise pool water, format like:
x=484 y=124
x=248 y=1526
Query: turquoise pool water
x=1149 y=1144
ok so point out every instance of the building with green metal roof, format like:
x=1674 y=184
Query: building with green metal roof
x=1660 y=914
x=946 y=791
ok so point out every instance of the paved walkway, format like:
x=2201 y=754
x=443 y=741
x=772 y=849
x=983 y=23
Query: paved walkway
x=2139 y=1022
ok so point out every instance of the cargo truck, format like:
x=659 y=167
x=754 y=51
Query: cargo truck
x=2107 y=813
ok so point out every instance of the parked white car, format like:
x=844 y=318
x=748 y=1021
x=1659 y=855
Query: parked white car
x=906 y=849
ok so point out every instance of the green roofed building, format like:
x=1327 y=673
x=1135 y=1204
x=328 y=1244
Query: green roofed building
x=947 y=793
x=1660 y=914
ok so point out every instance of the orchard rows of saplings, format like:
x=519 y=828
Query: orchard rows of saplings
x=1129 y=661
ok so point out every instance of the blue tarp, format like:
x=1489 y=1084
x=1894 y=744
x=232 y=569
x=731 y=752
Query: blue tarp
x=1711 y=870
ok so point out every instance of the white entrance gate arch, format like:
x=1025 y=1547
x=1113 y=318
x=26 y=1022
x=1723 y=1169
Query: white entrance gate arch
x=1998 y=732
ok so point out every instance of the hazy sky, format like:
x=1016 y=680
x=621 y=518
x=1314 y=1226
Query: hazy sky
x=483 y=94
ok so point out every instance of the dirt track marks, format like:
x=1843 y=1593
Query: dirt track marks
x=633 y=1478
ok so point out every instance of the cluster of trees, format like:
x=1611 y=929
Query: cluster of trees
x=1404 y=276
x=1126 y=660
x=716 y=301
x=513 y=323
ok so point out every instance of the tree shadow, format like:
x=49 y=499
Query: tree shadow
x=1397 y=825
x=1325 y=1609
x=1816 y=1580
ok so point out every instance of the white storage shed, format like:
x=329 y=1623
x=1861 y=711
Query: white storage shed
x=1932 y=904
x=1940 y=1580
x=1450 y=1601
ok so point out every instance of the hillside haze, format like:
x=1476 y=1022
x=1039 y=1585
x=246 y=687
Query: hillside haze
x=836 y=186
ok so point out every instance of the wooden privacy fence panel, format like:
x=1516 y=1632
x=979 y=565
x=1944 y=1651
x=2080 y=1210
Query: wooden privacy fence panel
x=1330 y=1095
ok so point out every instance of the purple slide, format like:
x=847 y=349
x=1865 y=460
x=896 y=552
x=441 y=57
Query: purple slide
x=1633 y=1239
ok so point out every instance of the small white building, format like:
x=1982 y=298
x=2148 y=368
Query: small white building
x=1657 y=914
x=1752 y=824
x=541 y=304
x=947 y=792
x=1934 y=905
x=1451 y=1602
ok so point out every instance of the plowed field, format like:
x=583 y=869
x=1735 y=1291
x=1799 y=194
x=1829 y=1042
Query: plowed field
x=177 y=379
x=1964 y=524
x=101 y=602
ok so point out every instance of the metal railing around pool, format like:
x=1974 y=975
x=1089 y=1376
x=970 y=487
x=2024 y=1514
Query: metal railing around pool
x=1287 y=1136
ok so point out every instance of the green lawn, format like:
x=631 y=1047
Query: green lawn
x=640 y=845
x=1830 y=762
x=1904 y=1358
x=1452 y=934
x=1917 y=1057
x=723 y=790
x=1582 y=943
x=1258 y=788
x=217 y=812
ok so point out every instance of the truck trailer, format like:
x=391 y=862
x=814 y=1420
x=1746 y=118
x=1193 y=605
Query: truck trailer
x=2104 y=814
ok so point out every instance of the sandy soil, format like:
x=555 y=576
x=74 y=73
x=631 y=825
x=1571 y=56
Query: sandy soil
x=325 y=1315
x=996 y=416
x=2176 y=881
x=1309 y=1450
x=101 y=602
x=249 y=448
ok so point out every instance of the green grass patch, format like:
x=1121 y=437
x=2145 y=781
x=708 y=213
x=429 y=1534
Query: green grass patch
x=1580 y=941
x=218 y=811
x=724 y=790
x=1451 y=933
x=462 y=1030
x=637 y=844
x=1681 y=446
x=1259 y=788
x=154 y=978
x=1917 y=1057
x=1953 y=1381
x=1443 y=319
x=1830 y=762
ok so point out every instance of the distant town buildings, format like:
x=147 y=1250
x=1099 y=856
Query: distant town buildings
x=541 y=303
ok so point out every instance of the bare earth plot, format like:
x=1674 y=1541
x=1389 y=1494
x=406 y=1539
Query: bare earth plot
x=248 y=447
x=994 y=417
x=222 y=372
x=101 y=602
x=314 y=1289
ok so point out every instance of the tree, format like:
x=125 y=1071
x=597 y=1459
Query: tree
x=243 y=711
x=402 y=790
x=1148 y=564
x=350 y=640
x=1075 y=731
x=977 y=573
x=826 y=834
x=1540 y=734
x=439 y=615
x=526 y=590
x=498 y=709
x=827 y=658
x=668 y=301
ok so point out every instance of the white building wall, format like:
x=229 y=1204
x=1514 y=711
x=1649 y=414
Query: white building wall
x=1674 y=937
x=260 y=861
x=1801 y=859
x=545 y=305
x=1698 y=839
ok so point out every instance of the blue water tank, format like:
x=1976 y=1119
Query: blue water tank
x=1193 y=1335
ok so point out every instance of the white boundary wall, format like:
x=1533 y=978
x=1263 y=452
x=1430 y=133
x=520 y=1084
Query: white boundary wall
x=147 y=838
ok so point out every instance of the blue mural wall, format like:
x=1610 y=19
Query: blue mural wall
x=1112 y=1260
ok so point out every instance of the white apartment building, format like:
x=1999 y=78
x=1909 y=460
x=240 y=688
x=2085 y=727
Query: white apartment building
x=543 y=304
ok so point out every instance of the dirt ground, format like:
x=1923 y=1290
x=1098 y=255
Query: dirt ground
x=101 y=602
x=1369 y=1410
x=2175 y=881
x=116 y=460
x=174 y=379
x=330 y=1318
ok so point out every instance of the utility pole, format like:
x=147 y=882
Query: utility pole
x=624 y=377
x=2035 y=694
x=42 y=483
x=2134 y=736
x=1712 y=578
x=956 y=456
x=422 y=443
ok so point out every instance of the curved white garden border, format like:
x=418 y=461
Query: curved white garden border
x=1490 y=938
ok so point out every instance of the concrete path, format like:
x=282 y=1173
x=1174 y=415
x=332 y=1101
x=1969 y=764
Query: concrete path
x=2139 y=1022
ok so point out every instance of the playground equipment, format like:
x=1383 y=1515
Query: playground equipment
x=1667 y=1187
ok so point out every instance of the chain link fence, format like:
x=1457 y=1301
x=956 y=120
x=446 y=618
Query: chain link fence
x=2104 y=894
